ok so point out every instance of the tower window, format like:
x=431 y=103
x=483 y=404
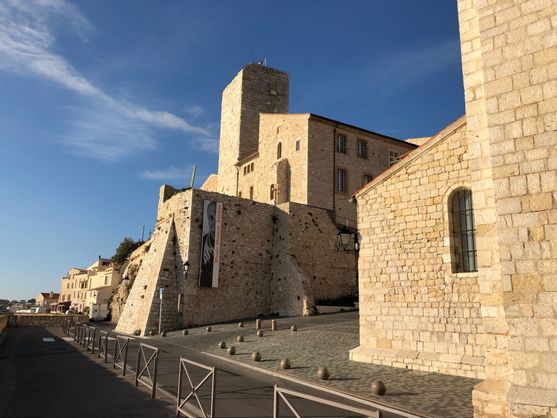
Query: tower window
x=272 y=192
x=279 y=150
x=463 y=231
x=366 y=179
x=341 y=181
x=341 y=144
x=362 y=149
x=297 y=145
x=394 y=157
x=251 y=192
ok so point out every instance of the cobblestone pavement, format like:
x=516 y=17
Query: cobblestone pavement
x=325 y=340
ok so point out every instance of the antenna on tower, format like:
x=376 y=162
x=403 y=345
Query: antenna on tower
x=263 y=62
x=193 y=170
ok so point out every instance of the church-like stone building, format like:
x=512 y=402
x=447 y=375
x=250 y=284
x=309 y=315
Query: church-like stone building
x=458 y=260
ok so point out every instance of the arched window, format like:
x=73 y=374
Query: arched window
x=463 y=231
x=279 y=150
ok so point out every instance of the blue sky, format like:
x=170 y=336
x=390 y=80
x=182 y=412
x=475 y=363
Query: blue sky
x=101 y=102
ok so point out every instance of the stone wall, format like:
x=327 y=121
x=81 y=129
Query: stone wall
x=43 y=320
x=414 y=311
x=273 y=259
x=509 y=59
x=323 y=161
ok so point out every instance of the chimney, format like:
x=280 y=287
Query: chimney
x=51 y=294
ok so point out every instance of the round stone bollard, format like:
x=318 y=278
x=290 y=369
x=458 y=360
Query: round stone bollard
x=285 y=363
x=208 y=329
x=137 y=332
x=258 y=324
x=185 y=332
x=260 y=333
x=240 y=338
x=163 y=334
x=378 y=388
x=274 y=325
x=323 y=373
x=222 y=344
x=293 y=328
x=240 y=324
x=256 y=356
x=231 y=350
x=152 y=332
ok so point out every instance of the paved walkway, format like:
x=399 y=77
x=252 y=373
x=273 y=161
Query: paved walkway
x=325 y=341
x=41 y=375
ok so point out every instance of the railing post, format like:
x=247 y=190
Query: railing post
x=275 y=403
x=179 y=394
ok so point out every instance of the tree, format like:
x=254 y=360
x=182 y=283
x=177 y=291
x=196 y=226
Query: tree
x=31 y=301
x=126 y=247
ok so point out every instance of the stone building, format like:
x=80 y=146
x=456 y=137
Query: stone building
x=94 y=284
x=271 y=156
x=463 y=278
x=281 y=194
x=46 y=299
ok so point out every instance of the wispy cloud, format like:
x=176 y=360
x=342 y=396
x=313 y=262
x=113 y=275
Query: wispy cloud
x=27 y=47
x=397 y=71
x=207 y=144
x=169 y=173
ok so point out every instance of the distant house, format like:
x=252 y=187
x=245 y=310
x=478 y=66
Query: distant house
x=46 y=299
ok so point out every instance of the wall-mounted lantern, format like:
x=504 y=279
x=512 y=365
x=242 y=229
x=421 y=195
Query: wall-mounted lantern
x=347 y=240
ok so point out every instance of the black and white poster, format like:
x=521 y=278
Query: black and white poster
x=210 y=244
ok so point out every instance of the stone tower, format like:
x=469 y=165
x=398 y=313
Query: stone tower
x=255 y=89
x=509 y=62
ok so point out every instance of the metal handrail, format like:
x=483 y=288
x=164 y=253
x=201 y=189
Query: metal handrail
x=90 y=342
x=182 y=405
x=145 y=371
x=281 y=393
x=103 y=345
x=120 y=353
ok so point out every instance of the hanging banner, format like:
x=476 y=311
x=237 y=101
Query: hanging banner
x=210 y=244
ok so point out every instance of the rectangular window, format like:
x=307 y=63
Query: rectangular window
x=106 y=280
x=252 y=167
x=341 y=144
x=394 y=157
x=367 y=178
x=239 y=194
x=362 y=149
x=251 y=192
x=298 y=145
x=341 y=181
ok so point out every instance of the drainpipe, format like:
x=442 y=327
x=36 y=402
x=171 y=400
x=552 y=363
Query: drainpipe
x=237 y=179
x=334 y=170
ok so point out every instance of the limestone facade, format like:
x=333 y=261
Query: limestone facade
x=416 y=311
x=509 y=61
x=271 y=156
x=274 y=259
x=94 y=284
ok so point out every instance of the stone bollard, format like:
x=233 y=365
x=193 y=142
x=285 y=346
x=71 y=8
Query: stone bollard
x=285 y=363
x=256 y=356
x=258 y=324
x=240 y=338
x=163 y=334
x=208 y=329
x=293 y=328
x=260 y=333
x=378 y=388
x=241 y=324
x=231 y=350
x=222 y=344
x=323 y=373
x=185 y=332
x=152 y=332
x=274 y=325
